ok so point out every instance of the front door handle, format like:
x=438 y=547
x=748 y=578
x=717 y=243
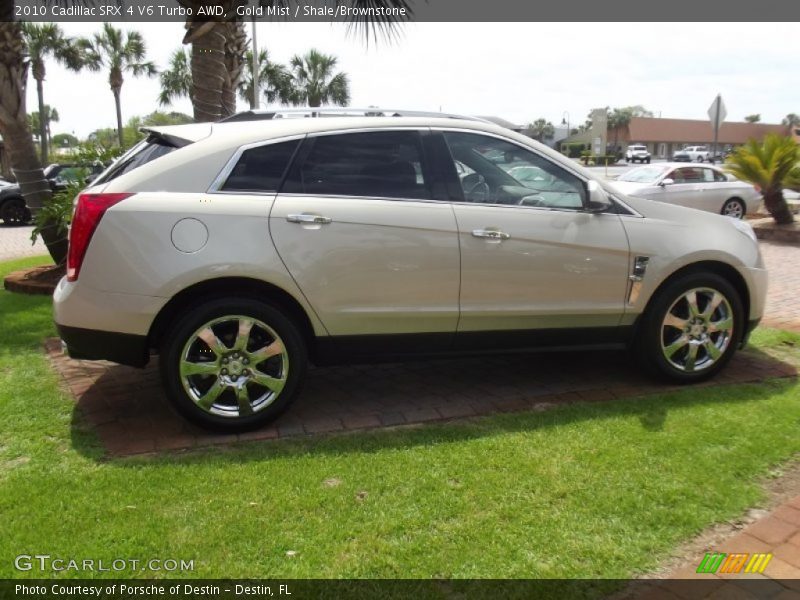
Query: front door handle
x=308 y=218
x=492 y=234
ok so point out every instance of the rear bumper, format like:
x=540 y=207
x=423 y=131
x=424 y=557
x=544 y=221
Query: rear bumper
x=90 y=344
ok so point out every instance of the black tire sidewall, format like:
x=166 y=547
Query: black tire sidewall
x=269 y=314
x=13 y=204
x=648 y=346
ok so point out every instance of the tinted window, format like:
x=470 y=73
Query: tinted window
x=261 y=169
x=719 y=176
x=382 y=164
x=494 y=171
x=145 y=152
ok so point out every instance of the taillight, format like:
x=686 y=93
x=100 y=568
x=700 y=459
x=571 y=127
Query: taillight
x=88 y=212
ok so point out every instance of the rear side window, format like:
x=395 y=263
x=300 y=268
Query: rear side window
x=145 y=152
x=261 y=169
x=381 y=164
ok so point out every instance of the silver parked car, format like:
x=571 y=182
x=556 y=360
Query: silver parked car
x=242 y=251
x=703 y=187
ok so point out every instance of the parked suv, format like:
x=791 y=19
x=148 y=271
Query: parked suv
x=242 y=251
x=637 y=152
x=692 y=154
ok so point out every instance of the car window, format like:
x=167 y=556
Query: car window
x=687 y=175
x=141 y=154
x=261 y=169
x=708 y=175
x=378 y=164
x=719 y=176
x=500 y=172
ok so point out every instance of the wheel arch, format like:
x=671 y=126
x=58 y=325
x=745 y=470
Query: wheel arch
x=226 y=287
x=739 y=198
x=724 y=270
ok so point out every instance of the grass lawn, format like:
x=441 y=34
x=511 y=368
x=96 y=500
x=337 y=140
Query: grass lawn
x=600 y=490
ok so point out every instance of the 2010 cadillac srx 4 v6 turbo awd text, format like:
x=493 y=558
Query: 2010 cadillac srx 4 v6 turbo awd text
x=241 y=251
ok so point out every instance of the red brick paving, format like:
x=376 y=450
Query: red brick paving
x=129 y=410
x=783 y=297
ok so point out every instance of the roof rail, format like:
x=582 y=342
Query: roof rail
x=295 y=113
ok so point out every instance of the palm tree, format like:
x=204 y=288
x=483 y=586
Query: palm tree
x=16 y=131
x=176 y=80
x=541 y=130
x=45 y=40
x=119 y=52
x=314 y=82
x=273 y=79
x=50 y=116
x=218 y=50
x=770 y=165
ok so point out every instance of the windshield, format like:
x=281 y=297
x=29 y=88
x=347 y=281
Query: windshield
x=638 y=148
x=642 y=175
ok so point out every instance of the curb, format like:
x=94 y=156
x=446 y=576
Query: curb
x=21 y=282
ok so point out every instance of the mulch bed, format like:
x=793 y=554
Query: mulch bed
x=37 y=280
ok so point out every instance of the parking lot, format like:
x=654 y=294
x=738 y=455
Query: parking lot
x=15 y=242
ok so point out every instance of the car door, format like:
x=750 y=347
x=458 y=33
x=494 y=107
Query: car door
x=713 y=192
x=685 y=188
x=359 y=229
x=534 y=264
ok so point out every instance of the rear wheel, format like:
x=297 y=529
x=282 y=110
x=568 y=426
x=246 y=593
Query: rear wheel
x=233 y=364
x=14 y=212
x=692 y=328
x=734 y=207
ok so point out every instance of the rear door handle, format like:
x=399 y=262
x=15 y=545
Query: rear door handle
x=308 y=218
x=492 y=234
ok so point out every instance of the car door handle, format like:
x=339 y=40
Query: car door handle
x=308 y=218
x=491 y=234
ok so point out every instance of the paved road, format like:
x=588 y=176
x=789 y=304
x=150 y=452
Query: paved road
x=15 y=242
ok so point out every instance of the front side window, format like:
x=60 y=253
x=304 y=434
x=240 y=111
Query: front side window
x=499 y=172
x=261 y=169
x=379 y=164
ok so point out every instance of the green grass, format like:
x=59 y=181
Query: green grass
x=599 y=490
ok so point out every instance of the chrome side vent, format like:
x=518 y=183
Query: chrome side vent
x=636 y=277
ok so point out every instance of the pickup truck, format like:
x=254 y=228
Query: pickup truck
x=637 y=152
x=692 y=154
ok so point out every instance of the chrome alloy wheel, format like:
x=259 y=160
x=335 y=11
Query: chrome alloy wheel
x=697 y=329
x=733 y=208
x=234 y=366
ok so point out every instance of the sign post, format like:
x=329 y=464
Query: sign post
x=717 y=113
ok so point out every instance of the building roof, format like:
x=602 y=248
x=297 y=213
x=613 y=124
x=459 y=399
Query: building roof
x=646 y=129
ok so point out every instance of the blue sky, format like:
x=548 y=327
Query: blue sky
x=519 y=71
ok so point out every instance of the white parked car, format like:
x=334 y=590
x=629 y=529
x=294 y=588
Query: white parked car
x=703 y=187
x=242 y=251
x=692 y=154
x=637 y=152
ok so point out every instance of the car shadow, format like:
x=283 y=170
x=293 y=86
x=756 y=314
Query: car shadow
x=121 y=411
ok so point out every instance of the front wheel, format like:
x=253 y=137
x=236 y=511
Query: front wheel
x=233 y=364
x=691 y=329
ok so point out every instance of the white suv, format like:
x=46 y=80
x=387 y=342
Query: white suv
x=241 y=251
x=637 y=152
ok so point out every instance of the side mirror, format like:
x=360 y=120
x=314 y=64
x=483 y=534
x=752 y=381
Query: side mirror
x=598 y=200
x=666 y=181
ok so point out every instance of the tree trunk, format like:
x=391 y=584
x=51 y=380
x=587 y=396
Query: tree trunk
x=42 y=122
x=208 y=68
x=17 y=133
x=119 y=118
x=777 y=207
x=235 y=49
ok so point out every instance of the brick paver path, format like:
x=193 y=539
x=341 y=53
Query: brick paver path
x=129 y=410
x=15 y=242
x=783 y=298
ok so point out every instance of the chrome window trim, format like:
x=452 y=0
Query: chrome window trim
x=222 y=176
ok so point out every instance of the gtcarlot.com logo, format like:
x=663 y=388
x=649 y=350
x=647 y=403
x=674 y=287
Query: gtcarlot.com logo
x=46 y=562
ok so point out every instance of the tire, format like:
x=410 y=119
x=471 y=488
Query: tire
x=665 y=349
x=699 y=159
x=231 y=379
x=735 y=208
x=647 y=160
x=14 y=212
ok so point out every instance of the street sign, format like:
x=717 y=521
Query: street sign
x=717 y=113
